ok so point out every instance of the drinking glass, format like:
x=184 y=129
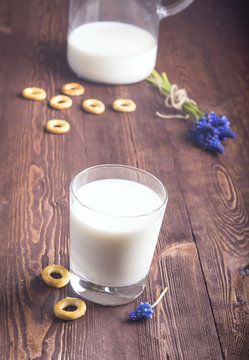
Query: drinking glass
x=116 y=212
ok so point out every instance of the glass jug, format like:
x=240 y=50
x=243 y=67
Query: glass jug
x=115 y=41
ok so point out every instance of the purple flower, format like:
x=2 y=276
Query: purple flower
x=209 y=131
x=145 y=310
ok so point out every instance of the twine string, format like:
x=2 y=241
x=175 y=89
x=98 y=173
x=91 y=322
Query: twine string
x=175 y=100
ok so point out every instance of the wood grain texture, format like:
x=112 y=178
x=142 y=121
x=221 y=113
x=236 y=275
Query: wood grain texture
x=203 y=250
x=216 y=189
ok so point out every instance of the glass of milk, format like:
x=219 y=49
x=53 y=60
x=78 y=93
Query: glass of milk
x=115 y=41
x=116 y=212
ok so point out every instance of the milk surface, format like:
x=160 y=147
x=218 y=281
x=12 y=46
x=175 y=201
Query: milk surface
x=112 y=239
x=111 y=52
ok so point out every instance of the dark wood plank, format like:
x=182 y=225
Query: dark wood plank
x=203 y=245
x=215 y=189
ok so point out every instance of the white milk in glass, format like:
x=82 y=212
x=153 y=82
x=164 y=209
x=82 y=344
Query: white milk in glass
x=113 y=244
x=111 y=52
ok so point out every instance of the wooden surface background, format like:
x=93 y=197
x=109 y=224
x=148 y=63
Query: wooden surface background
x=203 y=248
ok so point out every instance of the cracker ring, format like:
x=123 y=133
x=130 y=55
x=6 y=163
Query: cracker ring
x=34 y=93
x=60 y=102
x=56 y=269
x=60 y=312
x=73 y=89
x=93 y=106
x=57 y=126
x=124 y=105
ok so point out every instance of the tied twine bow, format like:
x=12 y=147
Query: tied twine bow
x=175 y=98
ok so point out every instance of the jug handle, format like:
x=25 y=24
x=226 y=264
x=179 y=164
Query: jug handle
x=163 y=11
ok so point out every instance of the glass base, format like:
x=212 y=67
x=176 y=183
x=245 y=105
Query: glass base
x=106 y=295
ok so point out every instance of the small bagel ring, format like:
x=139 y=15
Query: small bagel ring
x=124 y=105
x=58 y=269
x=34 y=93
x=60 y=102
x=73 y=89
x=57 y=126
x=93 y=106
x=70 y=315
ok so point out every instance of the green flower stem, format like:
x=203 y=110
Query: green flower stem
x=163 y=84
x=160 y=297
x=192 y=110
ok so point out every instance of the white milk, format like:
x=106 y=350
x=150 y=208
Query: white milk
x=114 y=245
x=111 y=52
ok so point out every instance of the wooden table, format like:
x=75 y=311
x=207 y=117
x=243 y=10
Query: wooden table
x=203 y=248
